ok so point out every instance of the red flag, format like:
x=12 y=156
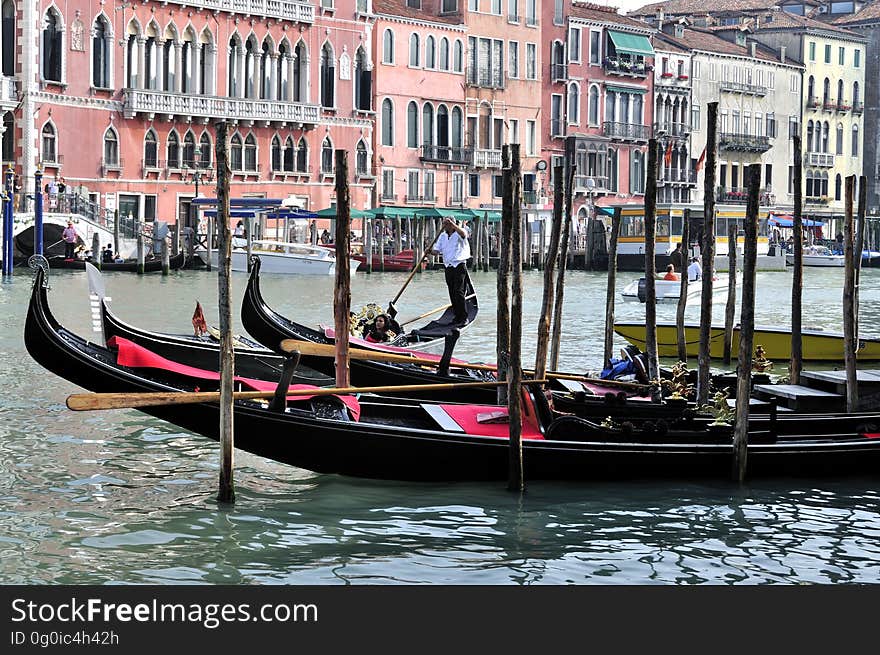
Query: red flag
x=701 y=160
x=667 y=158
x=200 y=326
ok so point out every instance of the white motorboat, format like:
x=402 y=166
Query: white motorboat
x=817 y=256
x=668 y=291
x=286 y=257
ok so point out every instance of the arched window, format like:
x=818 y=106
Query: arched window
x=825 y=131
x=289 y=154
x=53 y=47
x=151 y=150
x=101 y=48
x=236 y=153
x=172 y=150
x=169 y=71
x=428 y=124
x=594 y=105
x=455 y=131
x=443 y=128
x=430 y=52
x=111 y=148
x=611 y=164
x=327 y=156
x=361 y=159
x=204 y=151
x=189 y=150
x=48 y=138
x=811 y=89
x=300 y=73
x=250 y=153
x=206 y=51
x=855 y=141
x=388 y=47
x=151 y=59
x=363 y=81
x=809 y=136
x=825 y=184
x=840 y=98
x=412 y=125
x=574 y=103
x=839 y=149
x=235 y=53
x=8 y=37
x=265 y=72
x=277 y=157
x=458 y=57
x=387 y=123
x=282 y=83
x=837 y=186
x=8 y=150
x=856 y=96
x=444 y=54
x=187 y=53
x=826 y=91
x=413 y=49
x=302 y=155
x=250 y=61
x=637 y=177
x=328 y=77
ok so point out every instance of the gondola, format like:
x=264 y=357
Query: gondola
x=376 y=437
x=130 y=266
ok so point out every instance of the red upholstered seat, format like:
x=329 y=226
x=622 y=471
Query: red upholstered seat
x=466 y=418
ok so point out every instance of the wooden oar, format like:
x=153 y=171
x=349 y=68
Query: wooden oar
x=80 y=402
x=325 y=350
x=434 y=311
x=391 y=310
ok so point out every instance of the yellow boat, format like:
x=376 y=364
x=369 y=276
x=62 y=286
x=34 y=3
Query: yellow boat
x=817 y=344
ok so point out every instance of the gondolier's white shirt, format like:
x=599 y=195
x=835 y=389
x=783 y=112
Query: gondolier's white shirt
x=454 y=249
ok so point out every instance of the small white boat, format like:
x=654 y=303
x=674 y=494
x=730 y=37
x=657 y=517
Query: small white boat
x=668 y=291
x=286 y=257
x=817 y=256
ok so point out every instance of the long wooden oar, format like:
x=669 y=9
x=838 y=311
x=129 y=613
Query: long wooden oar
x=80 y=402
x=391 y=310
x=434 y=311
x=326 y=350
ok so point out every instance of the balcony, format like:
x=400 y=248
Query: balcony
x=674 y=176
x=678 y=130
x=626 y=131
x=589 y=183
x=8 y=92
x=748 y=89
x=297 y=12
x=108 y=165
x=142 y=101
x=812 y=102
x=51 y=161
x=743 y=142
x=740 y=196
x=816 y=200
x=820 y=159
x=487 y=159
x=829 y=105
x=625 y=66
x=446 y=154
x=559 y=72
x=858 y=107
x=843 y=105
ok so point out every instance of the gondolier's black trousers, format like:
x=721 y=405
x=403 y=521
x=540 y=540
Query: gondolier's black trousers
x=69 y=249
x=455 y=281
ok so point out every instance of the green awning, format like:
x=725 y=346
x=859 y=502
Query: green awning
x=444 y=212
x=330 y=212
x=631 y=44
x=624 y=89
x=493 y=215
x=387 y=211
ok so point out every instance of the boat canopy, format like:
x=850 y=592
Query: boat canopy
x=786 y=220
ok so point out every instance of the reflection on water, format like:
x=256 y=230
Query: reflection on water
x=121 y=497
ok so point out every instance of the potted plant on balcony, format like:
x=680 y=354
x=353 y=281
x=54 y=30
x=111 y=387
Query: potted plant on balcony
x=682 y=76
x=666 y=74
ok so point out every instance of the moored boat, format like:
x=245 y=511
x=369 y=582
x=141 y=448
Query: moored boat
x=818 y=256
x=130 y=266
x=669 y=291
x=287 y=258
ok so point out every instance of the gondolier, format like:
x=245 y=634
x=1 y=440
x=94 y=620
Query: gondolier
x=455 y=249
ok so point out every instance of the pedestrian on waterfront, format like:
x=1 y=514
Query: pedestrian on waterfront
x=455 y=249
x=69 y=238
x=695 y=271
x=677 y=257
x=671 y=275
x=62 y=195
x=52 y=192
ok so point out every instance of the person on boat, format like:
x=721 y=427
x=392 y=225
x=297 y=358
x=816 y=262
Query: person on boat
x=325 y=237
x=677 y=257
x=671 y=275
x=695 y=271
x=454 y=247
x=379 y=331
x=69 y=238
x=239 y=230
x=107 y=254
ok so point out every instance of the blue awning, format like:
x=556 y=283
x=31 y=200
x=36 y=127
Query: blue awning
x=784 y=220
x=239 y=202
x=266 y=213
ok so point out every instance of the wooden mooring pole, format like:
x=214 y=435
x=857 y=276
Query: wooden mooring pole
x=850 y=343
x=611 y=288
x=342 y=293
x=502 y=284
x=707 y=248
x=140 y=249
x=682 y=294
x=209 y=242
x=556 y=338
x=797 y=279
x=166 y=257
x=747 y=327
x=96 y=250
x=226 y=493
x=859 y=249
x=730 y=309
x=549 y=267
x=515 y=480
x=650 y=263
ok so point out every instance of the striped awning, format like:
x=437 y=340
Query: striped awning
x=631 y=44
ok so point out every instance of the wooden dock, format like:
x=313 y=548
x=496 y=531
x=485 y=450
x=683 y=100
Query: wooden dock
x=823 y=391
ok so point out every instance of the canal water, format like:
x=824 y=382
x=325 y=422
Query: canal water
x=119 y=497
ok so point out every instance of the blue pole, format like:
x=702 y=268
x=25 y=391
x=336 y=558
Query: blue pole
x=38 y=213
x=7 y=225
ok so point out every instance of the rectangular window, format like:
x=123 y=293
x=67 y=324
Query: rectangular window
x=712 y=71
x=531 y=61
x=530 y=138
x=791 y=179
x=150 y=208
x=723 y=122
x=574 y=44
x=556 y=115
x=794 y=85
x=412 y=185
x=513 y=11
x=771 y=80
x=457 y=187
x=513 y=131
x=388 y=184
x=792 y=126
x=771 y=125
x=497 y=133
x=695 y=69
x=474 y=185
x=734 y=176
x=429 y=195
x=759 y=124
x=841 y=56
x=768 y=176
x=827 y=54
x=812 y=51
x=496 y=186
x=595 y=48
x=513 y=59
x=498 y=63
x=722 y=175
x=473 y=5
x=695 y=118
x=496 y=7
x=473 y=66
x=857 y=57
x=531 y=13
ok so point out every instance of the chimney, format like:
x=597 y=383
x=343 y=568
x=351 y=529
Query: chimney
x=782 y=54
x=754 y=48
